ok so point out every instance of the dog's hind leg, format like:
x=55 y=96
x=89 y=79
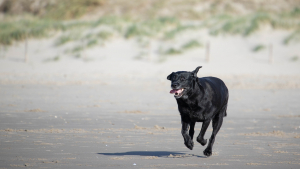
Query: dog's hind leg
x=200 y=137
x=217 y=123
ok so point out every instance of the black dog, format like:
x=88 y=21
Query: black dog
x=199 y=100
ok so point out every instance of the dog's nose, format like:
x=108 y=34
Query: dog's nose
x=174 y=85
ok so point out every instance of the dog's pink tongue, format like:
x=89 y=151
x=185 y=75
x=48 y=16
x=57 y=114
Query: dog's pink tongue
x=174 y=91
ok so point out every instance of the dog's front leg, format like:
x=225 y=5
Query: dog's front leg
x=188 y=142
x=192 y=130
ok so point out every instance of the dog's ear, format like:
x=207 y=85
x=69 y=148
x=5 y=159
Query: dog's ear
x=170 y=76
x=196 y=71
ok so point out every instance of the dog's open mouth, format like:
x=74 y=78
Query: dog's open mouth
x=177 y=92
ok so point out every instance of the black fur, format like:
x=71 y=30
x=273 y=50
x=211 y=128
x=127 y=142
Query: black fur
x=202 y=100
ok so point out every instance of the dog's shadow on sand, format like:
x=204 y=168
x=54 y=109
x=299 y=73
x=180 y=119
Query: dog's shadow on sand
x=166 y=154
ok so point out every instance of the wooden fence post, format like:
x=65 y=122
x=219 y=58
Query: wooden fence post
x=207 y=51
x=2 y=51
x=25 y=51
x=270 y=53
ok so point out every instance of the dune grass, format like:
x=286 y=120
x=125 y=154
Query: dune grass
x=191 y=44
x=294 y=58
x=161 y=27
x=135 y=20
x=258 y=48
x=293 y=37
x=19 y=30
x=172 y=51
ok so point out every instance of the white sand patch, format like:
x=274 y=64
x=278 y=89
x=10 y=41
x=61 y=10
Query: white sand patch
x=231 y=57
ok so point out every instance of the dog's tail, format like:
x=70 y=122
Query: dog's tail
x=225 y=106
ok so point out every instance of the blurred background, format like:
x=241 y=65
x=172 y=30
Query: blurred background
x=151 y=37
x=245 y=42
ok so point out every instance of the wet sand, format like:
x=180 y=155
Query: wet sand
x=137 y=126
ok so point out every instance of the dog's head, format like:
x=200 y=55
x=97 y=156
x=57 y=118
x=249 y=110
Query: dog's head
x=182 y=82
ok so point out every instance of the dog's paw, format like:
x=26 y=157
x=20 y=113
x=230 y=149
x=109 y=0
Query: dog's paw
x=207 y=152
x=202 y=141
x=189 y=144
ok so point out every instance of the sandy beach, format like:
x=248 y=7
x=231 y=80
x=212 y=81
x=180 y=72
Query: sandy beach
x=111 y=110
